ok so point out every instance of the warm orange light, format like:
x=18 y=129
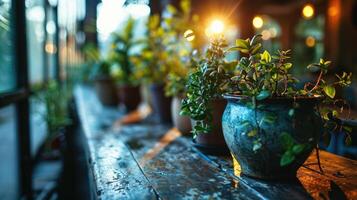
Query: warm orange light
x=258 y=22
x=189 y=35
x=310 y=41
x=266 y=35
x=308 y=11
x=216 y=27
x=50 y=48
x=332 y=11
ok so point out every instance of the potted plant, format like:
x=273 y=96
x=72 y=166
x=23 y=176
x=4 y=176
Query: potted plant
x=124 y=71
x=155 y=68
x=179 y=27
x=204 y=103
x=270 y=126
x=101 y=75
x=54 y=99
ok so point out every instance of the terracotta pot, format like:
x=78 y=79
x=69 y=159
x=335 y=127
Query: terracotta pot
x=213 y=142
x=182 y=123
x=129 y=97
x=106 y=91
x=161 y=104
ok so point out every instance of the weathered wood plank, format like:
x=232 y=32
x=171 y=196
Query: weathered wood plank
x=178 y=172
x=115 y=170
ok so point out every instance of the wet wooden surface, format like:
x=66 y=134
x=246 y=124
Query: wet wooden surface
x=146 y=160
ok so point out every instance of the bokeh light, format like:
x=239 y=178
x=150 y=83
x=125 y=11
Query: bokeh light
x=189 y=35
x=258 y=22
x=308 y=11
x=310 y=41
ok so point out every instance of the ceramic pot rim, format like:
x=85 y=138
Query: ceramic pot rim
x=312 y=99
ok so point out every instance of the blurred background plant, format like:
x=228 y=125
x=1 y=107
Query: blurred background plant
x=124 y=71
x=183 y=45
x=55 y=98
x=152 y=63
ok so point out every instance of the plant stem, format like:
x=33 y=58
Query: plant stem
x=317 y=82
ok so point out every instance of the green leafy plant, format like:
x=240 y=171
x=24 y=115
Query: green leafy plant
x=124 y=70
x=152 y=62
x=179 y=26
x=206 y=83
x=260 y=75
x=96 y=66
x=55 y=99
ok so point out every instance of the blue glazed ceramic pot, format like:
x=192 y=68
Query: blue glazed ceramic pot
x=258 y=136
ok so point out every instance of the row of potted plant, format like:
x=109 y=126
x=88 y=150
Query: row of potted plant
x=250 y=107
x=161 y=65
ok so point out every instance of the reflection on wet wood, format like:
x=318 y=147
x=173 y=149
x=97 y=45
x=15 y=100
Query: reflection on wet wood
x=152 y=161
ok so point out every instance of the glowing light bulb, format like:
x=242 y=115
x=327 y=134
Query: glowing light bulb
x=215 y=28
x=308 y=11
x=258 y=22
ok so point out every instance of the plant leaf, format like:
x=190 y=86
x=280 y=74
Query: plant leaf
x=257 y=146
x=288 y=65
x=270 y=119
x=298 y=148
x=240 y=43
x=330 y=91
x=252 y=133
x=347 y=128
x=287 y=158
x=286 y=140
x=348 y=140
x=265 y=56
x=256 y=48
x=263 y=95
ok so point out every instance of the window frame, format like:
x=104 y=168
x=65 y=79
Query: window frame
x=20 y=95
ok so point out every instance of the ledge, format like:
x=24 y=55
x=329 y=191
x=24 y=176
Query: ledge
x=153 y=161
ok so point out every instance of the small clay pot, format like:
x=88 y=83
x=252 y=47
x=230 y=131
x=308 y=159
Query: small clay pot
x=161 y=104
x=129 y=97
x=106 y=90
x=182 y=123
x=213 y=142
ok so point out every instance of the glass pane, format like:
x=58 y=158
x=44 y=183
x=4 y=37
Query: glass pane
x=7 y=69
x=8 y=154
x=51 y=48
x=35 y=16
x=38 y=125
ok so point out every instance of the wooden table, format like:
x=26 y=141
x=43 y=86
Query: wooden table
x=153 y=161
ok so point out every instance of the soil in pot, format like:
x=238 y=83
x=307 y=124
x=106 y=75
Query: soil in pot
x=106 y=91
x=161 y=104
x=182 y=123
x=213 y=142
x=129 y=97
x=260 y=137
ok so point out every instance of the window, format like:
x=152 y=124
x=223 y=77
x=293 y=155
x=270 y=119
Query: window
x=7 y=69
x=308 y=46
x=35 y=18
x=8 y=154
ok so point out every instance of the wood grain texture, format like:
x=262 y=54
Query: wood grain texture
x=153 y=161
